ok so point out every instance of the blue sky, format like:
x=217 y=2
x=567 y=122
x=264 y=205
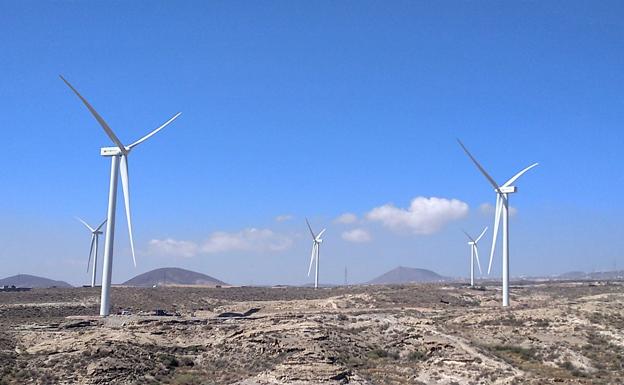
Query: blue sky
x=312 y=109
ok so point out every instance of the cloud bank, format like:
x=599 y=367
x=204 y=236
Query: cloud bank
x=172 y=247
x=252 y=240
x=423 y=216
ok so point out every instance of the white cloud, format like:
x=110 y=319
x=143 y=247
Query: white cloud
x=357 y=235
x=346 y=218
x=252 y=240
x=171 y=247
x=423 y=216
x=488 y=209
x=248 y=239
x=283 y=218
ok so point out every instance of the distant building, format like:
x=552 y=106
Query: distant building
x=13 y=288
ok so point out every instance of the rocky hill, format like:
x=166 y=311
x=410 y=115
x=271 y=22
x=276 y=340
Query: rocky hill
x=402 y=275
x=173 y=276
x=25 y=280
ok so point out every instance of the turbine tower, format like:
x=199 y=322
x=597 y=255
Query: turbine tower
x=119 y=159
x=502 y=209
x=93 y=250
x=474 y=253
x=316 y=242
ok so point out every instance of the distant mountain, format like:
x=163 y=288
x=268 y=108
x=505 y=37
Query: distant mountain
x=615 y=274
x=311 y=284
x=573 y=275
x=172 y=276
x=25 y=280
x=402 y=275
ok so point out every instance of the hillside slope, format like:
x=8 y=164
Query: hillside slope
x=172 y=276
x=25 y=280
x=402 y=275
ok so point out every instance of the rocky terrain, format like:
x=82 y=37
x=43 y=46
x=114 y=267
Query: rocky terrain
x=555 y=333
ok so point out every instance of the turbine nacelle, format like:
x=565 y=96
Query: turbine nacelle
x=112 y=151
x=94 y=231
x=507 y=189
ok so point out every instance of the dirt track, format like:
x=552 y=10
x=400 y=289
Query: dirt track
x=567 y=333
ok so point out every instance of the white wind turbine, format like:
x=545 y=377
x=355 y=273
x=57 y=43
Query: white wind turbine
x=502 y=205
x=93 y=250
x=316 y=242
x=119 y=159
x=474 y=253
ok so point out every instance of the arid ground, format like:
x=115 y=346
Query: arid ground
x=554 y=333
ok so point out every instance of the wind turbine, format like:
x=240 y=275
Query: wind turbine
x=93 y=251
x=474 y=253
x=316 y=242
x=502 y=205
x=119 y=159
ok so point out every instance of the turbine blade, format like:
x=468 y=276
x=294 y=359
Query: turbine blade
x=85 y=223
x=518 y=175
x=321 y=233
x=146 y=137
x=482 y=234
x=489 y=178
x=469 y=237
x=91 y=251
x=312 y=258
x=126 y=193
x=97 y=117
x=310 y=228
x=499 y=207
x=100 y=226
x=477 y=255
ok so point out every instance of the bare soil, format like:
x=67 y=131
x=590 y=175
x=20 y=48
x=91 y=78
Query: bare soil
x=554 y=333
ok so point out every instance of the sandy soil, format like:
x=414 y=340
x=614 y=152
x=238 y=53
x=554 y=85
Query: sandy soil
x=555 y=333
